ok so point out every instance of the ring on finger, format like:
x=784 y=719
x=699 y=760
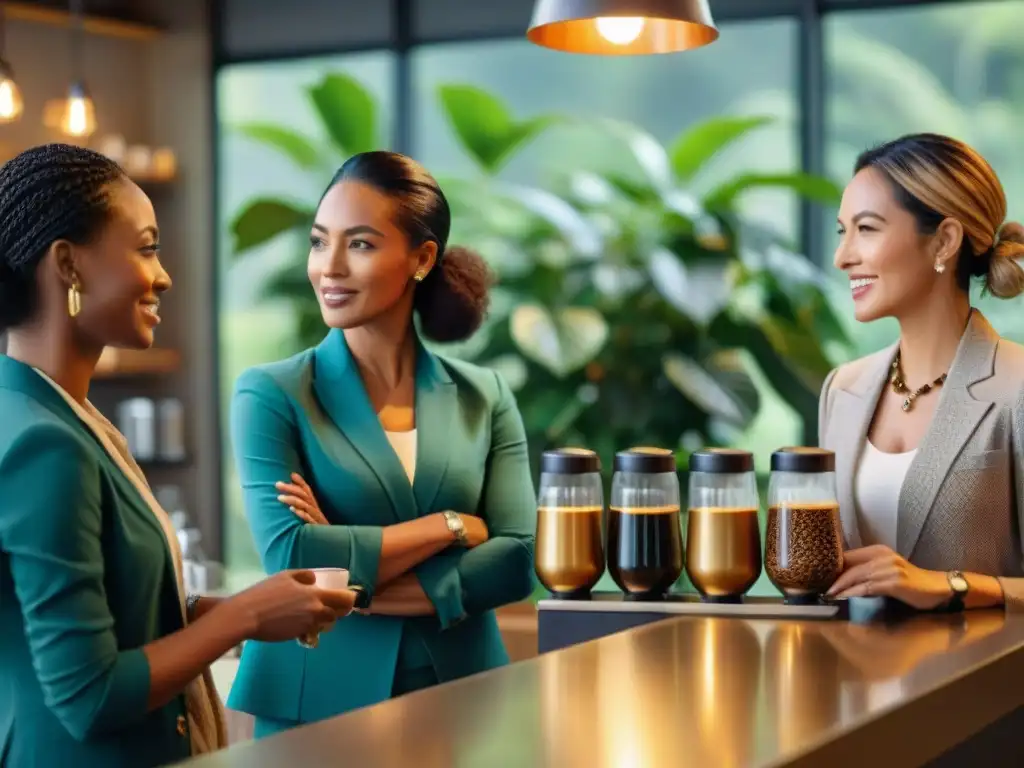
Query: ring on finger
x=310 y=640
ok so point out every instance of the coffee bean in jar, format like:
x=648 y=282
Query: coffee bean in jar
x=804 y=542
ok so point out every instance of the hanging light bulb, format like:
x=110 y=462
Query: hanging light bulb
x=622 y=27
x=78 y=117
x=75 y=116
x=11 y=104
x=620 y=30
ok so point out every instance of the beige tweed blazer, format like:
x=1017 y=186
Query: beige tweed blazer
x=962 y=502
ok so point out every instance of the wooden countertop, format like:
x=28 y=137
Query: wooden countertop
x=693 y=691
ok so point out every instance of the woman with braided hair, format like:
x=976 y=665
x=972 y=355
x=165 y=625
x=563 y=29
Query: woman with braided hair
x=929 y=433
x=103 y=659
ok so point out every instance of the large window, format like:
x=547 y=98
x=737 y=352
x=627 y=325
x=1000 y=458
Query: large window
x=953 y=68
x=750 y=70
x=948 y=67
x=255 y=330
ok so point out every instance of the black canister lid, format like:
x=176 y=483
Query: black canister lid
x=570 y=461
x=806 y=460
x=648 y=461
x=722 y=461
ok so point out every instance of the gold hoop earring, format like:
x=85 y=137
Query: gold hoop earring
x=74 y=300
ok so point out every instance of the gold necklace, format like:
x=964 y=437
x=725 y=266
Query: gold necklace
x=899 y=386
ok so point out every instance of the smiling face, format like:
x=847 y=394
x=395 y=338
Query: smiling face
x=360 y=262
x=890 y=263
x=119 y=273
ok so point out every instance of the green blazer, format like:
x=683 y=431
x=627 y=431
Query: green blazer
x=310 y=414
x=86 y=580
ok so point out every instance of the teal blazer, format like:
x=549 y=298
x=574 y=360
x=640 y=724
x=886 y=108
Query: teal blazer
x=86 y=580
x=310 y=414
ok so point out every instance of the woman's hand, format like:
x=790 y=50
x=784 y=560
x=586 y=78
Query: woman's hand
x=476 y=530
x=288 y=605
x=300 y=500
x=877 y=571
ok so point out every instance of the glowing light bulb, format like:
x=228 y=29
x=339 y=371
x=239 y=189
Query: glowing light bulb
x=11 y=104
x=620 y=30
x=78 y=117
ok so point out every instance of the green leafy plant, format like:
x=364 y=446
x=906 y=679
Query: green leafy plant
x=629 y=309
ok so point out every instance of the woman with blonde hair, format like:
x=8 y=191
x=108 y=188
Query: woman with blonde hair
x=929 y=433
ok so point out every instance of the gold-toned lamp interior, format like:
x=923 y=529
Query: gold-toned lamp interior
x=622 y=35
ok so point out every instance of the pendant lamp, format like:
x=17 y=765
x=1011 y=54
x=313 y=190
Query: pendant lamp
x=77 y=115
x=622 y=27
x=11 y=104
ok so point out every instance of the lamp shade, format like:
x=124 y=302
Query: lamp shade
x=622 y=27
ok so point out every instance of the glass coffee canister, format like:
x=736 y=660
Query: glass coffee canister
x=645 y=539
x=804 y=542
x=723 y=537
x=569 y=554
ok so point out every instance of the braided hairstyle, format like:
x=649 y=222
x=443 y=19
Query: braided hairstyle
x=47 y=193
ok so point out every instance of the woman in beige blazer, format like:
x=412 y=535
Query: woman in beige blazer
x=929 y=433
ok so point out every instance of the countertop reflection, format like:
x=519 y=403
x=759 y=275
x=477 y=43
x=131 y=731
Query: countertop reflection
x=720 y=692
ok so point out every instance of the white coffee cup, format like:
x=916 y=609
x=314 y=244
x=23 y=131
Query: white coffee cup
x=326 y=578
x=331 y=578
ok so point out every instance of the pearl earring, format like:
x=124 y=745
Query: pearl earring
x=939 y=267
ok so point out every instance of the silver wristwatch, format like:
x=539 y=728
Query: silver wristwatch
x=455 y=525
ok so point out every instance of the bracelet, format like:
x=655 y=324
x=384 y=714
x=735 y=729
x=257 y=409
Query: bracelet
x=191 y=601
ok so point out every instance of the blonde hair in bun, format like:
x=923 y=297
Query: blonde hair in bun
x=936 y=177
x=1005 y=277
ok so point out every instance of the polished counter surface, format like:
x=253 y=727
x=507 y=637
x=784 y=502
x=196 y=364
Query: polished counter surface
x=693 y=691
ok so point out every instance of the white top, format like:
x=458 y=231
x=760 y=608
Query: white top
x=876 y=491
x=404 y=444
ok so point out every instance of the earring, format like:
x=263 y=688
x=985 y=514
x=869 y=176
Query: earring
x=418 y=277
x=939 y=267
x=74 y=300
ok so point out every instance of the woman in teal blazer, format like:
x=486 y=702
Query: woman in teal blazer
x=103 y=658
x=419 y=462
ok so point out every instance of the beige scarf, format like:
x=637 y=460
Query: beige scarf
x=205 y=711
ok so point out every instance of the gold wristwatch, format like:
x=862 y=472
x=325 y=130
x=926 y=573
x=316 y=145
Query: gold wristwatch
x=458 y=530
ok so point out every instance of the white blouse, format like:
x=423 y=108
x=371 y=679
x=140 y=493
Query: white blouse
x=404 y=444
x=876 y=492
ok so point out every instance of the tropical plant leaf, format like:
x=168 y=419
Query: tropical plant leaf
x=800 y=348
x=648 y=152
x=895 y=86
x=300 y=149
x=348 y=112
x=806 y=185
x=697 y=145
x=797 y=389
x=485 y=126
x=289 y=283
x=703 y=389
x=561 y=342
x=263 y=219
x=578 y=232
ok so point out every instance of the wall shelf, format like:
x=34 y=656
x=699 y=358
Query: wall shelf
x=152 y=465
x=148 y=181
x=93 y=25
x=119 y=363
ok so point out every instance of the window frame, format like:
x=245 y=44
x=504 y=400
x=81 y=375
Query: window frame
x=810 y=62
